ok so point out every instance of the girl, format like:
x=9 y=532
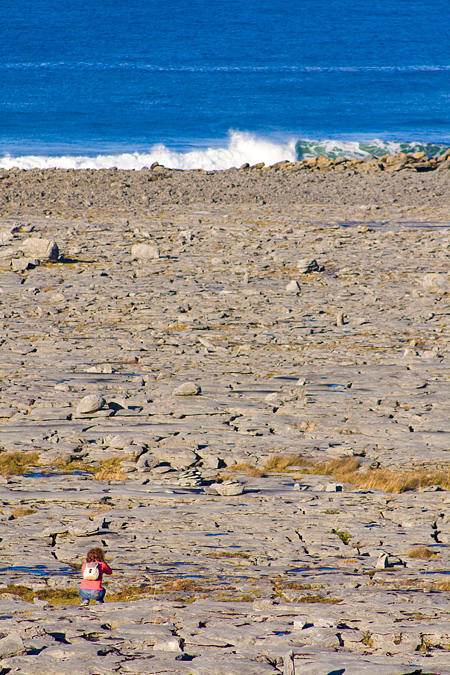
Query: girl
x=93 y=570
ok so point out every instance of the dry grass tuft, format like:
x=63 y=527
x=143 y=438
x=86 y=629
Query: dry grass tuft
x=280 y=585
x=131 y=593
x=245 y=467
x=110 y=469
x=441 y=586
x=338 y=468
x=319 y=598
x=21 y=511
x=347 y=471
x=422 y=553
x=228 y=554
x=16 y=462
x=177 y=585
x=282 y=463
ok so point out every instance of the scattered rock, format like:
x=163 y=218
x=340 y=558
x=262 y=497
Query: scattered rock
x=24 y=264
x=437 y=283
x=187 y=389
x=229 y=488
x=173 y=645
x=44 y=249
x=90 y=404
x=308 y=265
x=143 y=251
x=11 y=645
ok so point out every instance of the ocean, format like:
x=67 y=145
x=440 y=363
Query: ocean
x=201 y=84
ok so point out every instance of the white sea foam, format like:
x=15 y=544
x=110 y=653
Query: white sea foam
x=241 y=148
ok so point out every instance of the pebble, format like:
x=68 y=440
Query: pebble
x=187 y=389
x=293 y=287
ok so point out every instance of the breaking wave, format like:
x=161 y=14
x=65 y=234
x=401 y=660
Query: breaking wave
x=240 y=148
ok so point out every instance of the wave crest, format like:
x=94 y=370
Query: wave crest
x=241 y=148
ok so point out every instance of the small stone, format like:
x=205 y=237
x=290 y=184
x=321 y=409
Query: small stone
x=333 y=487
x=293 y=287
x=24 y=264
x=382 y=562
x=187 y=389
x=340 y=319
x=90 y=404
x=306 y=266
x=173 y=645
x=228 y=488
x=263 y=604
x=149 y=251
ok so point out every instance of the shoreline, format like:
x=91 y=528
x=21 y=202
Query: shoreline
x=398 y=191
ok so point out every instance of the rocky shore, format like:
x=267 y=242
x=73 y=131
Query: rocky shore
x=236 y=383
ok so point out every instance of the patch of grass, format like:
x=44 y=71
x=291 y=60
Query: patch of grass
x=131 y=593
x=441 y=586
x=233 y=598
x=343 y=536
x=76 y=465
x=280 y=585
x=55 y=596
x=110 y=469
x=282 y=463
x=228 y=554
x=178 y=585
x=245 y=467
x=422 y=553
x=59 y=596
x=12 y=463
x=367 y=639
x=347 y=470
x=319 y=599
x=21 y=511
x=20 y=591
x=338 y=468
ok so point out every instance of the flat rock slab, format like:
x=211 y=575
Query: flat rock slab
x=173 y=374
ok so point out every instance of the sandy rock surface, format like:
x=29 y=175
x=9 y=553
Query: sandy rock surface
x=236 y=564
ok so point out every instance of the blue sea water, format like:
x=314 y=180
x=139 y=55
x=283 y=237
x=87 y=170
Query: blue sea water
x=196 y=83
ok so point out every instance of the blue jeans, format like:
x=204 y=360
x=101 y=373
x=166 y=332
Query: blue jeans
x=87 y=594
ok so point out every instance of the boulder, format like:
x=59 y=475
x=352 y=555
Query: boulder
x=90 y=404
x=229 y=488
x=44 y=249
x=436 y=283
x=10 y=645
x=187 y=389
x=148 y=251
